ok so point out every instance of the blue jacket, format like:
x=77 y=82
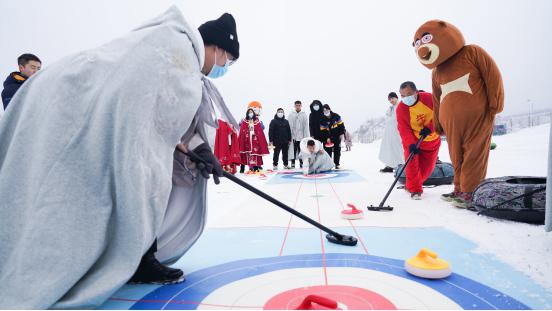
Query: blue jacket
x=11 y=85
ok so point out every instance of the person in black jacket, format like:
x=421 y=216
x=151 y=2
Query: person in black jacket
x=332 y=130
x=29 y=64
x=314 y=119
x=279 y=135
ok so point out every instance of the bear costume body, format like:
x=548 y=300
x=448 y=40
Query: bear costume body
x=467 y=94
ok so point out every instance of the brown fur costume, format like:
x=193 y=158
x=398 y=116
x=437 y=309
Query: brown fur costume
x=467 y=94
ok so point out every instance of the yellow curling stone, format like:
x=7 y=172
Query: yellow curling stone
x=427 y=265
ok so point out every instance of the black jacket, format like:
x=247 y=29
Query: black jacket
x=279 y=131
x=11 y=85
x=332 y=127
x=314 y=122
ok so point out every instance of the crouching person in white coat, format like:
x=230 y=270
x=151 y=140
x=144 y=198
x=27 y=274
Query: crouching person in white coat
x=315 y=158
x=94 y=190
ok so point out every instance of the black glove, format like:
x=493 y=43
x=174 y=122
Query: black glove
x=206 y=161
x=413 y=149
x=425 y=132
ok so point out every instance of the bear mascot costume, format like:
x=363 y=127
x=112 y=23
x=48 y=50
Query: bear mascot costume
x=467 y=94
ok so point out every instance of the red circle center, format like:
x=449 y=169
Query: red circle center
x=347 y=297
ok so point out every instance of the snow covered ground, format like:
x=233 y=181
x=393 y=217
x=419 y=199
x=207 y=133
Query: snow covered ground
x=525 y=247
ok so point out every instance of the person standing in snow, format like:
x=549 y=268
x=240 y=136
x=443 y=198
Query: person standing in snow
x=279 y=133
x=332 y=130
x=315 y=158
x=315 y=117
x=415 y=119
x=299 y=123
x=29 y=64
x=348 y=140
x=391 y=151
x=117 y=186
x=252 y=142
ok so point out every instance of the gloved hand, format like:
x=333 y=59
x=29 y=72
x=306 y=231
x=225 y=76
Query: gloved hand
x=413 y=149
x=206 y=162
x=425 y=132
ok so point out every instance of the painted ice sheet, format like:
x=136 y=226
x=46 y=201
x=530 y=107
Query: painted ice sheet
x=337 y=176
x=243 y=248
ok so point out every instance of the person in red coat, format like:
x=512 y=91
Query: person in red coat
x=227 y=149
x=414 y=118
x=252 y=140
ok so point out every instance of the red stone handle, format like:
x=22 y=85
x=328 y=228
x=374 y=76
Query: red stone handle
x=323 y=301
x=352 y=207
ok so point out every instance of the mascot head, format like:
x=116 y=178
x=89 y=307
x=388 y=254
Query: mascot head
x=436 y=41
x=256 y=106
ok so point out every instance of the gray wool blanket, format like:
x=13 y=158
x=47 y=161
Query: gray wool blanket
x=86 y=166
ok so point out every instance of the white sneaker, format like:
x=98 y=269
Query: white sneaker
x=275 y=168
x=286 y=167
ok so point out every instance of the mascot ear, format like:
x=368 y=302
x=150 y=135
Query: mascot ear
x=442 y=24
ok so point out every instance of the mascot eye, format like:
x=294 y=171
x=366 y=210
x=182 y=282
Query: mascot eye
x=417 y=43
x=427 y=38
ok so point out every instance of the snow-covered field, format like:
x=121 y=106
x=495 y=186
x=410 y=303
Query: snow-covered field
x=525 y=247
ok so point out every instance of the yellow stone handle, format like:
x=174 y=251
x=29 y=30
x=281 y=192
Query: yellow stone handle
x=424 y=252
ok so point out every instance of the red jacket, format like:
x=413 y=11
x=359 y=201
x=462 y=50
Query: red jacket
x=411 y=120
x=253 y=144
x=227 y=147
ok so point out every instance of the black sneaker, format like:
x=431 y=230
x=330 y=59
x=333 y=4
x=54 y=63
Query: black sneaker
x=387 y=169
x=151 y=271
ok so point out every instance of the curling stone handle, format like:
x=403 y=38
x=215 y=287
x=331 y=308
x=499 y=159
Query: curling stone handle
x=424 y=252
x=323 y=301
x=353 y=208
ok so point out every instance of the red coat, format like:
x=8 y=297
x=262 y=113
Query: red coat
x=227 y=149
x=253 y=145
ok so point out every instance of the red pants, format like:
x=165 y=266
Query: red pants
x=421 y=166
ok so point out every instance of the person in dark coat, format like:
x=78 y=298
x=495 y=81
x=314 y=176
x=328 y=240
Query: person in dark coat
x=29 y=64
x=314 y=119
x=279 y=135
x=332 y=130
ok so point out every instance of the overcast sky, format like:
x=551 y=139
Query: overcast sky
x=348 y=54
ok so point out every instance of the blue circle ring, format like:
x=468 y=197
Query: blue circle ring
x=467 y=293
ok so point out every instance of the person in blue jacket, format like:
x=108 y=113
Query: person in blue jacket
x=29 y=64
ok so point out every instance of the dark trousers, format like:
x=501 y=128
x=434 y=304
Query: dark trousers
x=296 y=151
x=336 y=149
x=285 y=149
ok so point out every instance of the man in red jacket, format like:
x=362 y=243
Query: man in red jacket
x=415 y=118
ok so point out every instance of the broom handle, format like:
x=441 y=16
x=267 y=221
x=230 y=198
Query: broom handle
x=401 y=171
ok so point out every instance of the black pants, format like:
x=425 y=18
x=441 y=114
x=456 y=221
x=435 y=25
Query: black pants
x=285 y=149
x=296 y=151
x=336 y=149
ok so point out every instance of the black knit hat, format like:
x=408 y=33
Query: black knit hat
x=326 y=106
x=222 y=33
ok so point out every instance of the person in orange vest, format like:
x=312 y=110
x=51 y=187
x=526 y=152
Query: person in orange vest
x=414 y=119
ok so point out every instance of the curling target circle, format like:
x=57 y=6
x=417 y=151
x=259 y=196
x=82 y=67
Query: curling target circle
x=253 y=283
x=315 y=176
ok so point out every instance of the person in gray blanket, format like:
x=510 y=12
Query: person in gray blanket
x=315 y=158
x=104 y=164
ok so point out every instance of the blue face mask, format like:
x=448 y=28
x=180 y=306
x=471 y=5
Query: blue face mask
x=218 y=71
x=410 y=100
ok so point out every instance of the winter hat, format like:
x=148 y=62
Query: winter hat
x=326 y=106
x=392 y=95
x=222 y=33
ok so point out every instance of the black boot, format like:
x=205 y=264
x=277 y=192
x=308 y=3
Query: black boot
x=151 y=271
x=242 y=169
x=387 y=169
